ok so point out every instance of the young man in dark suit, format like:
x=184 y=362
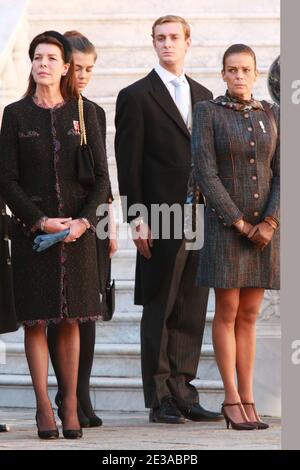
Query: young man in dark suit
x=153 y=125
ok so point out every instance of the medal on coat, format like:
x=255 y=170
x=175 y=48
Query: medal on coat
x=262 y=126
x=76 y=127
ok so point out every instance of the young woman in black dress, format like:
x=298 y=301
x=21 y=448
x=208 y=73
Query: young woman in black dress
x=84 y=56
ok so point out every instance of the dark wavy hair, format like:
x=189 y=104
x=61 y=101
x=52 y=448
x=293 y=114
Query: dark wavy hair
x=68 y=85
x=81 y=43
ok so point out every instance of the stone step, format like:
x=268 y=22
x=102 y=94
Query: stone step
x=149 y=6
x=123 y=267
x=107 y=393
x=110 y=360
x=233 y=27
x=126 y=327
x=207 y=54
x=125 y=324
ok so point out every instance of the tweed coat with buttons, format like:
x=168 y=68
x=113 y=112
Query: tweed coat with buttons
x=236 y=164
x=38 y=177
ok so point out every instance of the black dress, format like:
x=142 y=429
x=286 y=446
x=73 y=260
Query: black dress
x=38 y=177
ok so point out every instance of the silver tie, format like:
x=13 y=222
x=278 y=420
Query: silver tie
x=182 y=97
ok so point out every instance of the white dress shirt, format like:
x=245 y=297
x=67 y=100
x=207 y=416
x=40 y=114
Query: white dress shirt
x=167 y=77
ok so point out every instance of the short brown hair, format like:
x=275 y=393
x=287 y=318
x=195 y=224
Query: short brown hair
x=239 y=49
x=173 y=19
x=80 y=43
x=68 y=85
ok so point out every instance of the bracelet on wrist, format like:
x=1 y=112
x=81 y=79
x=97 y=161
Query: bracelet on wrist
x=42 y=223
x=271 y=222
x=86 y=222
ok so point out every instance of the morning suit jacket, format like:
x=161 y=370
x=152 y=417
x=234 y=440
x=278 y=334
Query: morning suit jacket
x=153 y=157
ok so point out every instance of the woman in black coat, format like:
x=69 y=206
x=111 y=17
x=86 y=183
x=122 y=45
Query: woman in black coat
x=235 y=149
x=40 y=137
x=7 y=305
x=84 y=57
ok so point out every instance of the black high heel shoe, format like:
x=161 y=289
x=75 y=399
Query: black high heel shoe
x=68 y=433
x=95 y=421
x=240 y=426
x=259 y=423
x=4 y=428
x=84 y=421
x=48 y=434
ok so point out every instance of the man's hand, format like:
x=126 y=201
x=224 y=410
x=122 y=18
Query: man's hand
x=142 y=237
x=261 y=234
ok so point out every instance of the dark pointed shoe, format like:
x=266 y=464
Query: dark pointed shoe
x=72 y=433
x=84 y=421
x=68 y=433
x=244 y=425
x=166 y=413
x=4 y=428
x=197 y=413
x=95 y=421
x=259 y=423
x=47 y=434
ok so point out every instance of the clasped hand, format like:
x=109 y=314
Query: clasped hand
x=261 y=234
x=77 y=227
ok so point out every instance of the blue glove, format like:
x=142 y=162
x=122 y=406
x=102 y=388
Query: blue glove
x=42 y=242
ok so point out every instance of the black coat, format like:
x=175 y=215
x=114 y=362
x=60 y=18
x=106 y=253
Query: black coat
x=38 y=177
x=153 y=157
x=7 y=305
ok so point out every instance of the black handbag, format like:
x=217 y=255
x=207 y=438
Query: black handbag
x=85 y=159
x=108 y=298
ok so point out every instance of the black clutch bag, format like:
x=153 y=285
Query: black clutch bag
x=108 y=299
x=85 y=159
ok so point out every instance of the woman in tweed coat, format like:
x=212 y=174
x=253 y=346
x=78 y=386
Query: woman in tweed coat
x=235 y=148
x=38 y=181
x=84 y=56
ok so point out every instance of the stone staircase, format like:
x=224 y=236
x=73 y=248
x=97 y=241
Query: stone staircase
x=121 y=32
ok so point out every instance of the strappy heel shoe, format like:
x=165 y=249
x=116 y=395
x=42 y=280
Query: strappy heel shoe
x=240 y=426
x=48 y=434
x=68 y=433
x=258 y=422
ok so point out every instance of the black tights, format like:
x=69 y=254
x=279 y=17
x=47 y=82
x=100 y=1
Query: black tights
x=87 y=332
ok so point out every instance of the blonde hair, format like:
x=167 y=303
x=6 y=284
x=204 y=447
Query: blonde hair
x=172 y=19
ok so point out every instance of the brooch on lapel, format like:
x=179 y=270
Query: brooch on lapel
x=262 y=126
x=76 y=127
x=26 y=134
